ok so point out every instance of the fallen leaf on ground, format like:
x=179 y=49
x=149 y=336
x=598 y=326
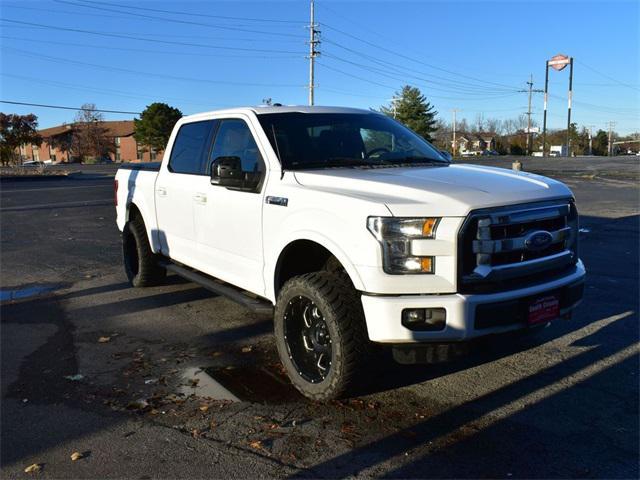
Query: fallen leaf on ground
x=195 y=433
x=104 y=339
x=76 y=456
x=217 y=354
x=203 y=408
x=195 y=382
x=257 y=444
x=139 y=404
x=348 y=428
x=247 y=349
x=36 y=467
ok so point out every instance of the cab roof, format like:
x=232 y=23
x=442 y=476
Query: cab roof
x=266 y=109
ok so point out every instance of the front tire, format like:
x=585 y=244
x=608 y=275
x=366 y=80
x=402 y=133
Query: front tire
x=321 y=334
x=140 y=263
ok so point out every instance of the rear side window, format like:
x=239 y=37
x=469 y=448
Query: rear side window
x=189 y=152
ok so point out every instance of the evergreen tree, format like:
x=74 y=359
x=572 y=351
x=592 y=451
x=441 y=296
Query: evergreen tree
x=411 y=108
x=154 y=127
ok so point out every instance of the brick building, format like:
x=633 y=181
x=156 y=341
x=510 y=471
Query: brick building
x=120 y=131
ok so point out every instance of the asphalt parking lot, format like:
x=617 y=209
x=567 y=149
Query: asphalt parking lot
x=90 y=365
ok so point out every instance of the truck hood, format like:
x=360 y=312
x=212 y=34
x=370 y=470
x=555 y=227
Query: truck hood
x=452 y=190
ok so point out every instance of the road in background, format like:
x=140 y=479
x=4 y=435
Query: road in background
x=561 y=404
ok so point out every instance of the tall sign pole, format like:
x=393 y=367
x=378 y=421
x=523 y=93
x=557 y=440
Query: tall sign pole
x=569 y=107
x=557 y=62
x=544 y=121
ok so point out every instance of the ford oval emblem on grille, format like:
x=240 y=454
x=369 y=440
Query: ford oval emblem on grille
x=538 y=240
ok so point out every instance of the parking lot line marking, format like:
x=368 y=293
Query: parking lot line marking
x=89 y=203
x=17 y=190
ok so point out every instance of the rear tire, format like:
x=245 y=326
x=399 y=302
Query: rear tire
x=321 y=334
x=140 y=263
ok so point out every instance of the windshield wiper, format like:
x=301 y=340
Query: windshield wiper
x=414 y=160
x=334 y=162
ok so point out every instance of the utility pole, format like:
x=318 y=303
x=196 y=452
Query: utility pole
x=610 y=146
x=591 y=139
x=453 y=148
x=313 y=53
x=530 y=90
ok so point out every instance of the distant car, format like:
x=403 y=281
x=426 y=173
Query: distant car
x=33 y=163
x=489 y=152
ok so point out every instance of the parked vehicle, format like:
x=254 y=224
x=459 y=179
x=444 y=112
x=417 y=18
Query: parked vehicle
x=353 y=232
x=33 y=163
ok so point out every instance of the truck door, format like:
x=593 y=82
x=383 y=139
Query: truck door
x=176 y=191
x=229 y=221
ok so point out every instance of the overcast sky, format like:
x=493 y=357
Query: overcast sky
x=199 y=56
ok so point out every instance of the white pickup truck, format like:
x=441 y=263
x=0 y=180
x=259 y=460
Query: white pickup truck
x=352 y=231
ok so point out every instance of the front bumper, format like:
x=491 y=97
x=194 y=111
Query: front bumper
x=467 y=316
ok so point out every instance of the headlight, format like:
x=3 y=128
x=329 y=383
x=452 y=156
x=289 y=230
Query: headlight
x=395 y=236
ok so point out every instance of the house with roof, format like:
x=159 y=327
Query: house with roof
x=475 y=143
x=54 y=140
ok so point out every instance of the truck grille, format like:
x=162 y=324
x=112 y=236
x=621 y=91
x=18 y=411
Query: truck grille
x=506 y=248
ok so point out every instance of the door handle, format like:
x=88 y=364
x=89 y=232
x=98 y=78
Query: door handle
x=161 y=191
x=200 y=198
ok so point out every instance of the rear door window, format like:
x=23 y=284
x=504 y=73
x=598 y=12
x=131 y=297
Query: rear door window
x=190 y=149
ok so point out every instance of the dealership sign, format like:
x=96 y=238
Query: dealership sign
x=558 y=62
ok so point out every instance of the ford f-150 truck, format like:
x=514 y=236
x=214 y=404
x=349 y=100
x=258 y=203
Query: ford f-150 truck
x=352 y=231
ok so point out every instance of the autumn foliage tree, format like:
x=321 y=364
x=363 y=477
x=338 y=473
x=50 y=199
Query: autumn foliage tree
x=16 y=130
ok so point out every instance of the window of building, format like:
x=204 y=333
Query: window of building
x=117 y=141
x=188 y=154
x=36 y=153
x=153 y=154
x=140 y=153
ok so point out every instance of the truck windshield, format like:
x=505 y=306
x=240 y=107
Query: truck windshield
x=333 y=140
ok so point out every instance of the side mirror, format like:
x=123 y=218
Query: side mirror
x=446 y=155
x=227 y=172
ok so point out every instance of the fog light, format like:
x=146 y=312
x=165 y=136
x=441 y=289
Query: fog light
x=424 y=319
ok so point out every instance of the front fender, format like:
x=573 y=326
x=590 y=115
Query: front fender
x=321 y=240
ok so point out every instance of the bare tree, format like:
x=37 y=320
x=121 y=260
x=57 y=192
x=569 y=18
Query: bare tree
x=90 y=137
x=493 y=125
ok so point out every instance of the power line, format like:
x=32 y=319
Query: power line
x=152 y=40
x=199 y=15
x=399 y=54
x=175 y=20
x=633 y=87
x=385 y=73
x=138 y=72
x=67 y=108
x=387 y=65
x=108 y=91
x=142 y=50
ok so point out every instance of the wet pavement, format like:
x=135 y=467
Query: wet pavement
x=172 y=381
